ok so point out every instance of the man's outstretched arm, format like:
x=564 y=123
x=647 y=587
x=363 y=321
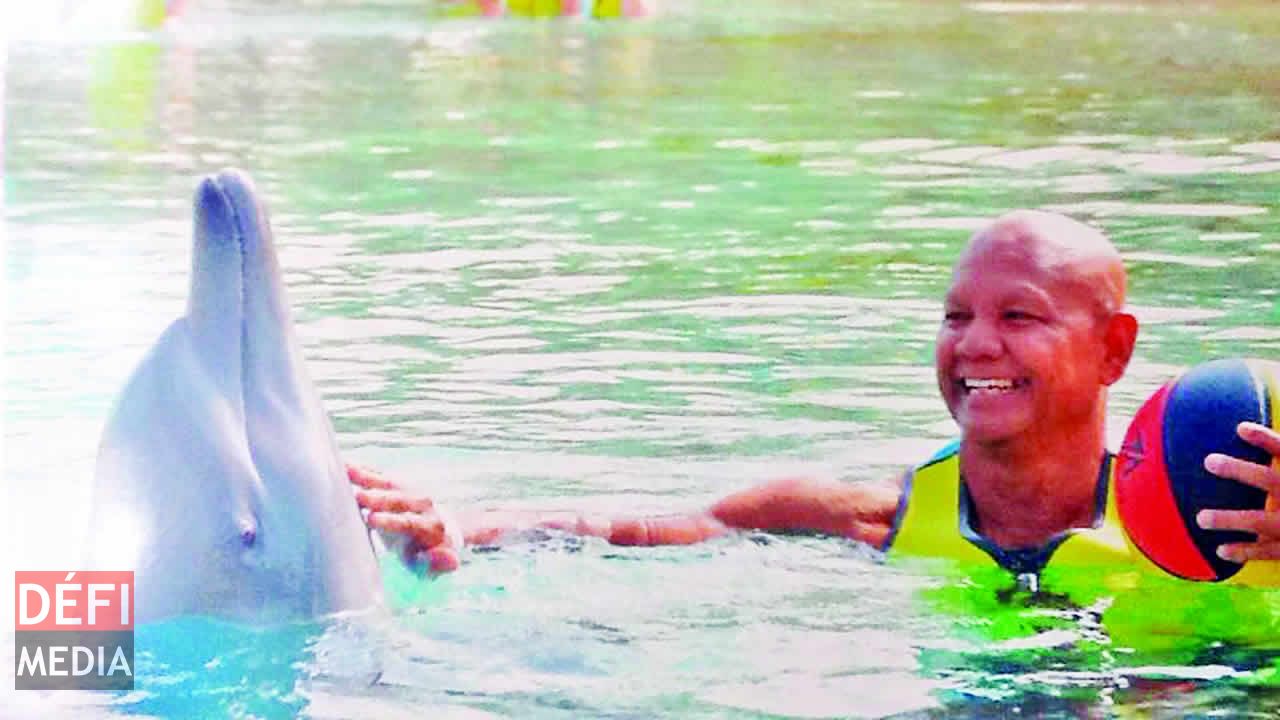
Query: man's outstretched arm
x=858 y=511
x=861 y=511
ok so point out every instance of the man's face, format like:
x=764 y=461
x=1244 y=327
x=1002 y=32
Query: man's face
x=1020 y=349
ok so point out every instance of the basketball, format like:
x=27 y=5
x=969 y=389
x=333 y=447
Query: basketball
x=1161 y=482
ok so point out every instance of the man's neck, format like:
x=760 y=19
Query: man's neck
x=1025 y=493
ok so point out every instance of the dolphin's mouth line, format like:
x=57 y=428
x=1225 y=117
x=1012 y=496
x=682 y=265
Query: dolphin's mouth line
x=237 y=223
x=248 y=531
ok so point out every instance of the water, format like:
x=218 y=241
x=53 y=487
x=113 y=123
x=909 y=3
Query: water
x=636 y=265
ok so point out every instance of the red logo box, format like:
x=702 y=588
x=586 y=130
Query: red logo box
x=75 y=600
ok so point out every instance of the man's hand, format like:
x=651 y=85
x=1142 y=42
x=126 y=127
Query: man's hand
x=414 y=519
x=1264 y=523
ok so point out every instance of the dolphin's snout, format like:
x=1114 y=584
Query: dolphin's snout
x=234 y=183
x=226 y=204
x=229 y=208
x=215 y=214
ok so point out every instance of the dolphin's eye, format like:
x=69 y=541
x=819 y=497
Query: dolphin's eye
x=248 y=537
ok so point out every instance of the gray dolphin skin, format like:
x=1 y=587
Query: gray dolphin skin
x=218 y=480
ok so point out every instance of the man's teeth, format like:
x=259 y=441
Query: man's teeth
x=989 y=384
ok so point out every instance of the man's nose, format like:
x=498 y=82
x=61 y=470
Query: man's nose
x=980 y=339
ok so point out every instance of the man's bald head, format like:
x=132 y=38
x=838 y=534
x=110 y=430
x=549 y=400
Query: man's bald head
x=1078 y=254
x=1036 y=303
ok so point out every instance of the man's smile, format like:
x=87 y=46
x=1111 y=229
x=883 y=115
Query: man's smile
x=990 y=385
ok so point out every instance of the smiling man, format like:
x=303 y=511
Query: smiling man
x=1033 y=335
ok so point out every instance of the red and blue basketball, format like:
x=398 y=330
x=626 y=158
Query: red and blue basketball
x=1161 y=482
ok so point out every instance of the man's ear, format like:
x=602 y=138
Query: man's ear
x=1119 y=336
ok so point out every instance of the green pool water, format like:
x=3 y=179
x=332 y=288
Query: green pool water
x=635 y=265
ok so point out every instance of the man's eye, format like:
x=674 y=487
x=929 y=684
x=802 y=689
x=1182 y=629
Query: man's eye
x=1019 y=316
x=955 y=316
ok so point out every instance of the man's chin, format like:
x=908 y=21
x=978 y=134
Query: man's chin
x=988 y=432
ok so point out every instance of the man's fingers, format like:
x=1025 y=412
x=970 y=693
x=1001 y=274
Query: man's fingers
x=412 y=518
x=437 y=560
x=424 y=531
x=1260 y=436
x=1265 y=524
x=443 y=559
x=1244 y=552
x=367 y=478
x=392 y=501
x=1259 y=476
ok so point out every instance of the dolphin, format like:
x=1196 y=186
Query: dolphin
x=218 y=478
